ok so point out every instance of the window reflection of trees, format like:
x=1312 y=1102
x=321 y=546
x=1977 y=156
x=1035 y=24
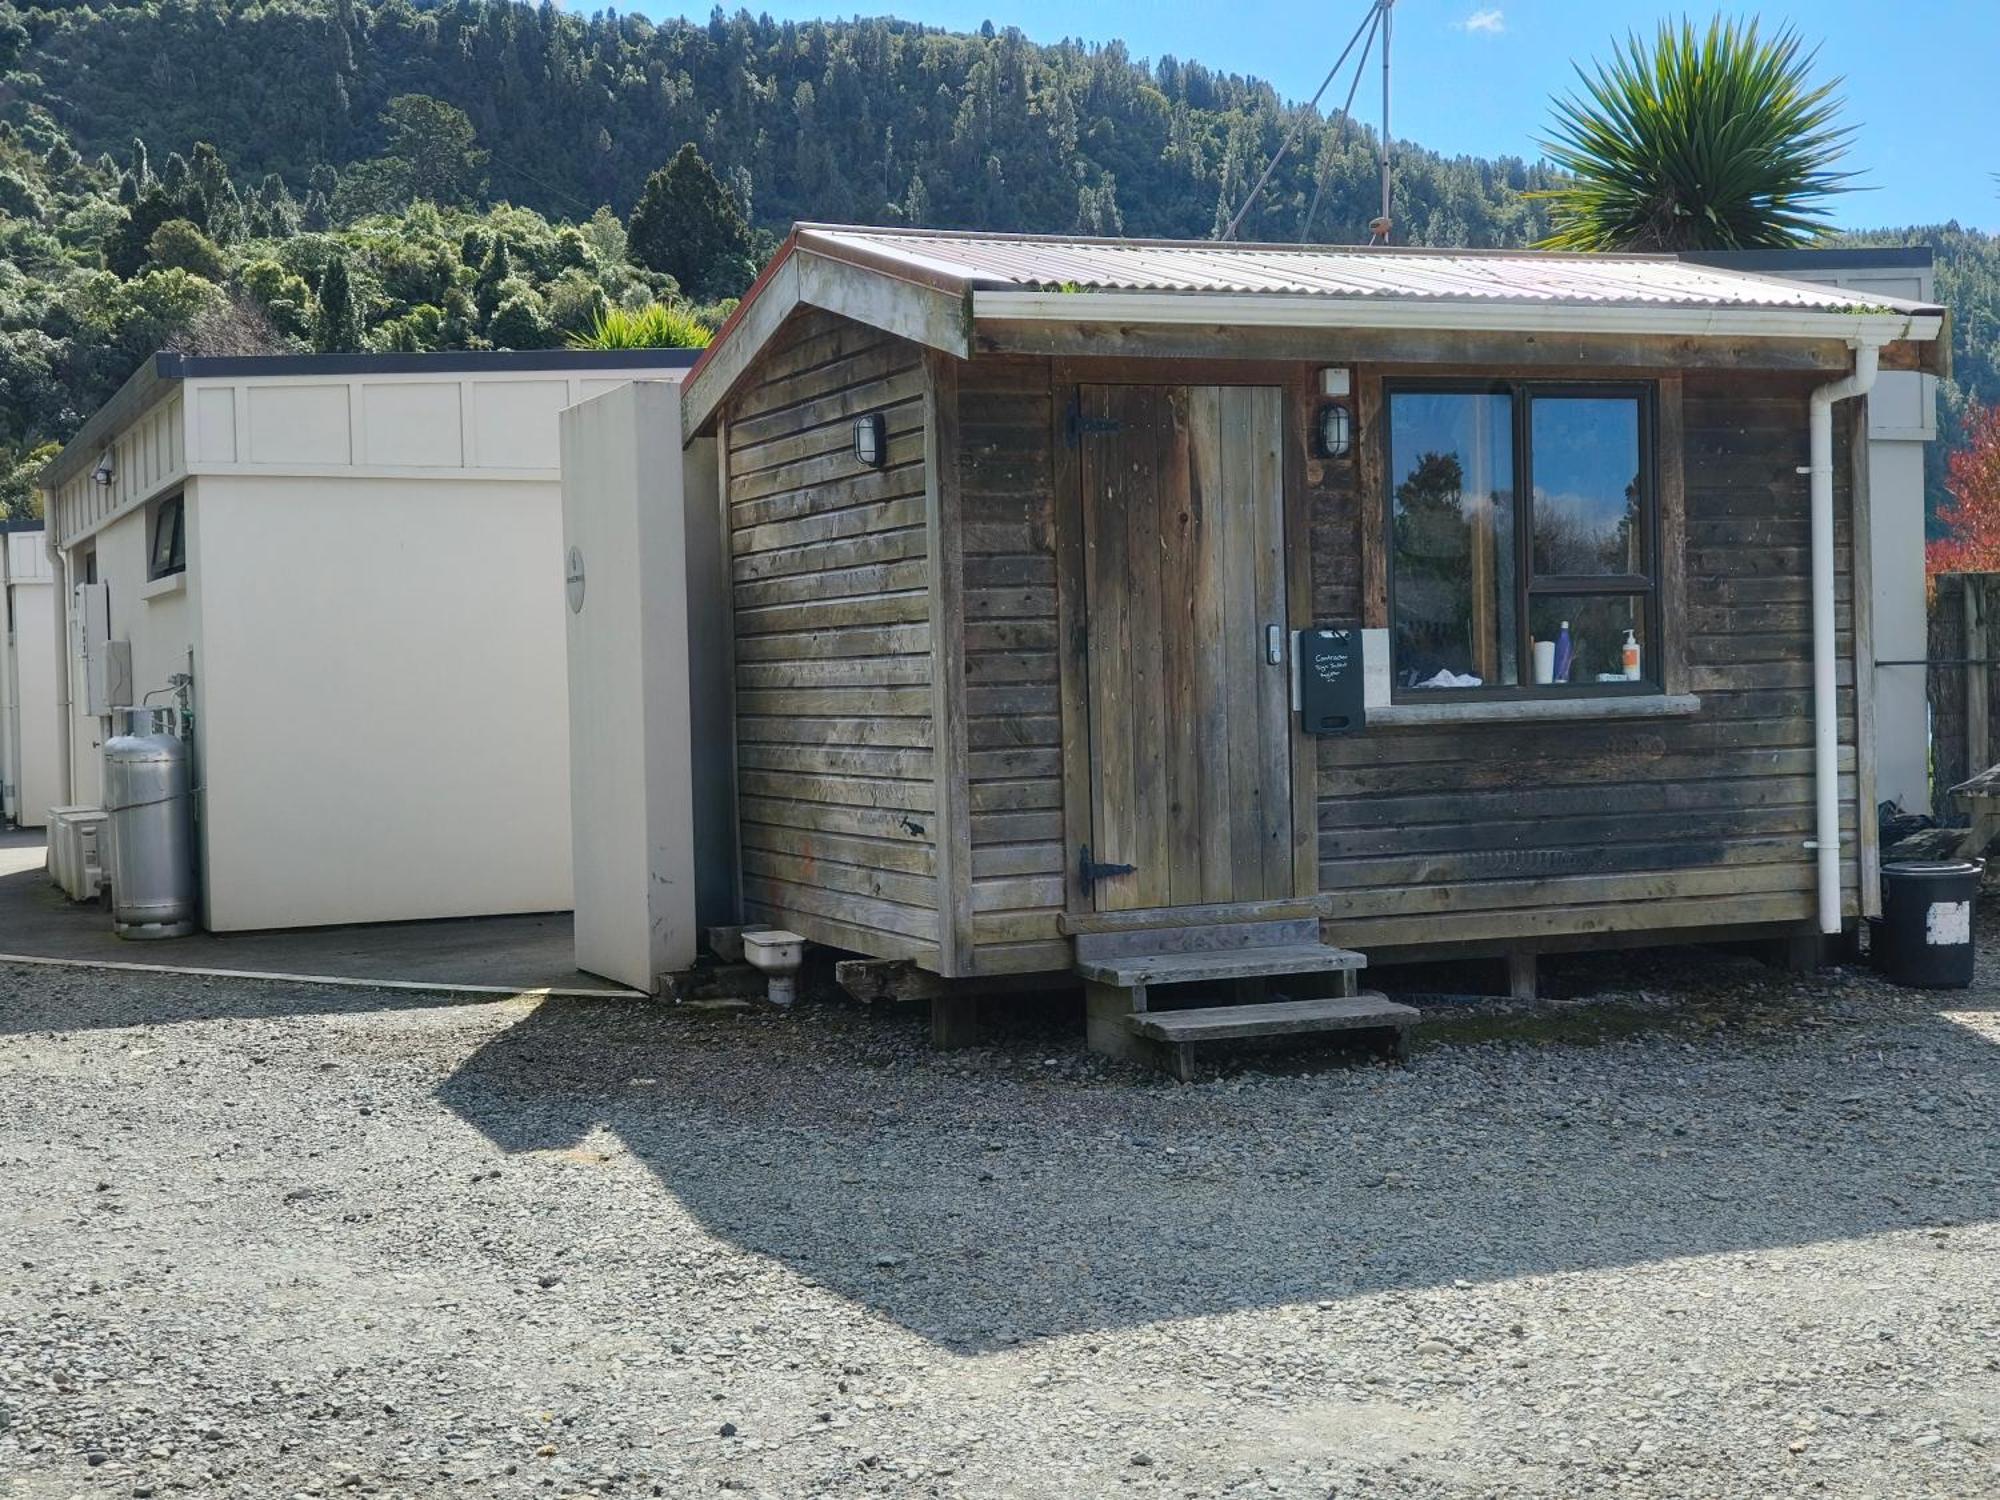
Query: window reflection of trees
x=1454 y=573
x=1568 y=544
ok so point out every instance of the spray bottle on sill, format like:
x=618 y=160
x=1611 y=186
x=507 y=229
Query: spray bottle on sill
x=1631 y=656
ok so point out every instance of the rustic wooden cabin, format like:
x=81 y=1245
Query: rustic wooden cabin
x=1170 y=612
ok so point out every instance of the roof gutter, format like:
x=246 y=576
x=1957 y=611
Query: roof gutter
x=1261 y=309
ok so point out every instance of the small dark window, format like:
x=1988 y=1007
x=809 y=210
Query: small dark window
x=169 y=538
x=1522 y=529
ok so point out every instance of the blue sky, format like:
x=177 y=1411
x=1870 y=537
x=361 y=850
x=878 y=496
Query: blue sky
x=1475 y=76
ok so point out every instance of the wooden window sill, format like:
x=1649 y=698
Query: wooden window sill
x=1535 y=710
x=159 y=588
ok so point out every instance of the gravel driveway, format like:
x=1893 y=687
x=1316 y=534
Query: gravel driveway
x=262 y=1241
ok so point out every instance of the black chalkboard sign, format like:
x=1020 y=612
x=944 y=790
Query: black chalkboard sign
x=1332 y=694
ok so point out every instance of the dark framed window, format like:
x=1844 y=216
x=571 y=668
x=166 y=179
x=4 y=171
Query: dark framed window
x=169 y=554
x=1523 y=534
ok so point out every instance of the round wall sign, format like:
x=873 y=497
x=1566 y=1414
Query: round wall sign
x=573 y=580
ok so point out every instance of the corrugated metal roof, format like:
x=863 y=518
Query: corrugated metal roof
x=1025 y=263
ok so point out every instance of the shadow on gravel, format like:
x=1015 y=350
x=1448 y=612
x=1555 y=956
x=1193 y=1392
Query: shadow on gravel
x=29 y=1003
x=987 y=1208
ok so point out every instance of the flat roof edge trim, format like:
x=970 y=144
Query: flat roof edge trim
x=165 y=370
x=1264 y=310
x=427 y=363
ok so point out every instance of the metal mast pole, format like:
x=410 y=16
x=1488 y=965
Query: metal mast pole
x=1387 y=7
x=1367 y=24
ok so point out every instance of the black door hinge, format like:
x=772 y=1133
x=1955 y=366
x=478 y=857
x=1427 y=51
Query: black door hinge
x=1079 y=424
x=1093 y=870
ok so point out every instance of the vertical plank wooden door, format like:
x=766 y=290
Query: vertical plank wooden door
x=1184 y=584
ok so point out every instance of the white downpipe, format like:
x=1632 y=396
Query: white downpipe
x=59 y=577
x=1826 y=703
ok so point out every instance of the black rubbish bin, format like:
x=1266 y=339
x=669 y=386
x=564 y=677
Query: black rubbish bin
x=1924 y=937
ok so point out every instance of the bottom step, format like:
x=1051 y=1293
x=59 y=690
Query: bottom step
x=1220 y=1023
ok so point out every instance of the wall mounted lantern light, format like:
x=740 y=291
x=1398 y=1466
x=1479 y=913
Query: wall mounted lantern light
x=1336 y=430
x=103 y=473
x=871 y=445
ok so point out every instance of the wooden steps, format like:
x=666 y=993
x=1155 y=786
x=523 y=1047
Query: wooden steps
x=1138 y=969
x=1122 y=969
x=1226 y=1023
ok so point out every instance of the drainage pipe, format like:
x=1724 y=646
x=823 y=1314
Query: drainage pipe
x=1826 y=704
x=65 y=720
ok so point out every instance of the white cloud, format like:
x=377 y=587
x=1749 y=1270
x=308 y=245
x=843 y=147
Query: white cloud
x=1489 y=22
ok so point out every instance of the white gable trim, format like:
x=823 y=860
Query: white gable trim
x=936 y=317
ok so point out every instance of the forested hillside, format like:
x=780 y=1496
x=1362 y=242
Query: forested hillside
x=389 y=174
x=862 y=120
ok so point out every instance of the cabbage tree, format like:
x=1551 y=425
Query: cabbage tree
x=1715 y=142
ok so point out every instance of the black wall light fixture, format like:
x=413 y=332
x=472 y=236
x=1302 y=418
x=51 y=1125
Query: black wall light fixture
x=871 y=444
x=1335 y=430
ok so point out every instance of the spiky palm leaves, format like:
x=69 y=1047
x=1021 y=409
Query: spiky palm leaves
x=657 y=325
x=1719 y=142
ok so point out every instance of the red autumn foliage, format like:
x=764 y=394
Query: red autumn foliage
x=1971 y=517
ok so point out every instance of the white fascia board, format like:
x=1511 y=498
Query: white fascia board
x=1258 y=310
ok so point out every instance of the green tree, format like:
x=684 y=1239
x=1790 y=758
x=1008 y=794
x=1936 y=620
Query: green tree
x=520 y=322
x=431 y=150
x=19 y=499
x=179 y=243
x=575 y=303
x=1716 y=142
x=13 y=41
x=126 y=321
x=284 y=296
x=336 y=322
x=221 y=211
x=688 y=226
x=495 y=271
x=126 y=247
x=419 y=329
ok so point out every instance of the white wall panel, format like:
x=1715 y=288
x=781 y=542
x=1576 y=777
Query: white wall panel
x=215 y=425
x=28 y=758
x=637 y=741
x=383 y=698
x=413 y=424
x=299 y=424
x=514 y=423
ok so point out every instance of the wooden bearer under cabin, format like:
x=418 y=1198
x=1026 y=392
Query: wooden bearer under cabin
x=1198 y=614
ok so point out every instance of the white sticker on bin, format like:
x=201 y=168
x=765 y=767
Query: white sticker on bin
x=1948 y=924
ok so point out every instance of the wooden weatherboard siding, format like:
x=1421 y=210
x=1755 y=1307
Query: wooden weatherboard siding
x=1494 y=834
x=837 y=790
x=1009 y=449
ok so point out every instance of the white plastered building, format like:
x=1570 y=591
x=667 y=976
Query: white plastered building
x=349 y=568
x=28 y=776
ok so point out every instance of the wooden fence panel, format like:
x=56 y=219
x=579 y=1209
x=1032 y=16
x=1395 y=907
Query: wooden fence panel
x=1963 y=645
x=1945 y=686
